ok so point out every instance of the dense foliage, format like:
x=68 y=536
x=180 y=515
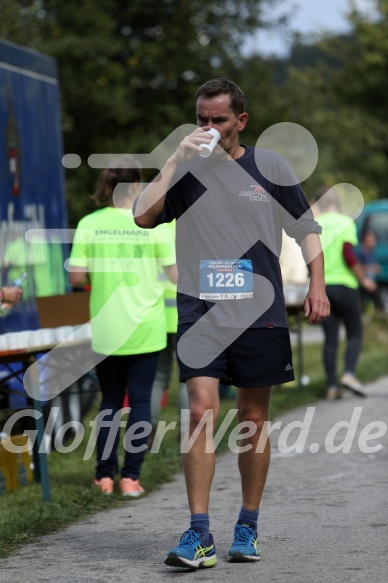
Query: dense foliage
x=129 y=70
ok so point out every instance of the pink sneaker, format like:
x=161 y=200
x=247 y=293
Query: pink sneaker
x=105 y=485
x=129 y=487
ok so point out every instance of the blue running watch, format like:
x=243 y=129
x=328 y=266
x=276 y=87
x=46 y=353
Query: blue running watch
x=193 y=551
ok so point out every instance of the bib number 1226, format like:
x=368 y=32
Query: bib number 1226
x=224 y=279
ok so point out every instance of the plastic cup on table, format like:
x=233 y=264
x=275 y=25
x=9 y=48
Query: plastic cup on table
x=63 y=332
x=3 y=343
x=47 y=336
x=17 y=340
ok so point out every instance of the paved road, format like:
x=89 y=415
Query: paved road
x=323 y=519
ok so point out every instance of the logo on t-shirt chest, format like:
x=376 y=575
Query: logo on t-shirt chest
x=256 y=192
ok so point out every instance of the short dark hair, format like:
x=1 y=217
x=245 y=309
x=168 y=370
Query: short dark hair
x=221 y=86
x=124 y=169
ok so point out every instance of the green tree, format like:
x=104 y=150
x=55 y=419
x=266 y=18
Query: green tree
x=129 y=70
x=341 y=98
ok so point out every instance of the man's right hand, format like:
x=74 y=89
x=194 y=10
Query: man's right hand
x=189 y=146
x=150 y=202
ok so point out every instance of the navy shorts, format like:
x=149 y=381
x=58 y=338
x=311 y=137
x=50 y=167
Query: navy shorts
x=259 y=357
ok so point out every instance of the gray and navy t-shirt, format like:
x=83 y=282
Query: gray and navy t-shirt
x=228 y=237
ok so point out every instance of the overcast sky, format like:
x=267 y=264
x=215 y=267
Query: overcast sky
x=307 y=17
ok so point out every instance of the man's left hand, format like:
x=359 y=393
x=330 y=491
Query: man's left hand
x=316 y=305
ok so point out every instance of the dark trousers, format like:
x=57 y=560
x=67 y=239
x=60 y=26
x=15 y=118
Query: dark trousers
x=345 y=307
x=116 y=374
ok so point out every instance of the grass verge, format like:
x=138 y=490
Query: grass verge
x=25 y=515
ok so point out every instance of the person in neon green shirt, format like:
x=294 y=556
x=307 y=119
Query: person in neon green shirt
x=122 y=263
x=343 y=276
x=166 y=360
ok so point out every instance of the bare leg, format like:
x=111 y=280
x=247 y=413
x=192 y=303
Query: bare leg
x=253 y=405
x=197 y=463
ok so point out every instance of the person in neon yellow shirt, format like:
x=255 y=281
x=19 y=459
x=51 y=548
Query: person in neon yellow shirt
x=166 y=360
x=343 y=276
x=122 y=263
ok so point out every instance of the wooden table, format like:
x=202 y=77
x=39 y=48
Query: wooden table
x=27 y=357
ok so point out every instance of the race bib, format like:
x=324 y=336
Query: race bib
x=224 y=279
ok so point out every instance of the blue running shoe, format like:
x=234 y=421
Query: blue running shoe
x=193 y=551
x=245 y=547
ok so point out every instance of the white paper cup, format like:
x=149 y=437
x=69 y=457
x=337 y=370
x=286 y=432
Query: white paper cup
x=82 y=332
x=17 y=340
x=11 y=342
x=47 y=336
x=63 y=332
x=3 y=343
x=24 y=338
x=34 y=338
x=207 y=149
x=87 y=330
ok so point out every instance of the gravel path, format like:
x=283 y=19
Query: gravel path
x=323 y=518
